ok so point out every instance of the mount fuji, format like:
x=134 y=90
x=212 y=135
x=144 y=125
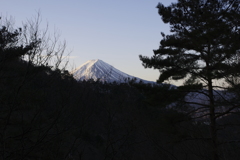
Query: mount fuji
x=100 y=70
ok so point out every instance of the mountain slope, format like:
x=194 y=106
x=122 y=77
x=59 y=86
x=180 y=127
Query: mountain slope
x=98 y=69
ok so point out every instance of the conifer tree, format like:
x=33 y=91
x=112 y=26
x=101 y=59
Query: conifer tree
x=205 y=37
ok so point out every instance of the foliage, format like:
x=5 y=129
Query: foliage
x=201 y=44
x=200 y=50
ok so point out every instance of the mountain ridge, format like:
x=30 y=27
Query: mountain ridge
x=97 y=69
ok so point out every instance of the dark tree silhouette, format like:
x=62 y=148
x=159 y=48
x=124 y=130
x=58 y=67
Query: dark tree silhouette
x=31 y=117
x=205 y=37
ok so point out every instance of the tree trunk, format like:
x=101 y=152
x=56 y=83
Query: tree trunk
x=213 y=125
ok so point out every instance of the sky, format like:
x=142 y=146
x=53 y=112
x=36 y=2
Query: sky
x=115 y=31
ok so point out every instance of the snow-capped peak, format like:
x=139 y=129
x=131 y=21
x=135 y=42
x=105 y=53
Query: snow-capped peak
x=98 y=69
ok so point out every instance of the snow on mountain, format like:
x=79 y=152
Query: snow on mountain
x=98 y=69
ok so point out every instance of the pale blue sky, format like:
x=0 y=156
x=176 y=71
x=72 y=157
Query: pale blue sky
x=115 y=31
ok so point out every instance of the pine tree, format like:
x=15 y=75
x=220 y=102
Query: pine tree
x=205 y=37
